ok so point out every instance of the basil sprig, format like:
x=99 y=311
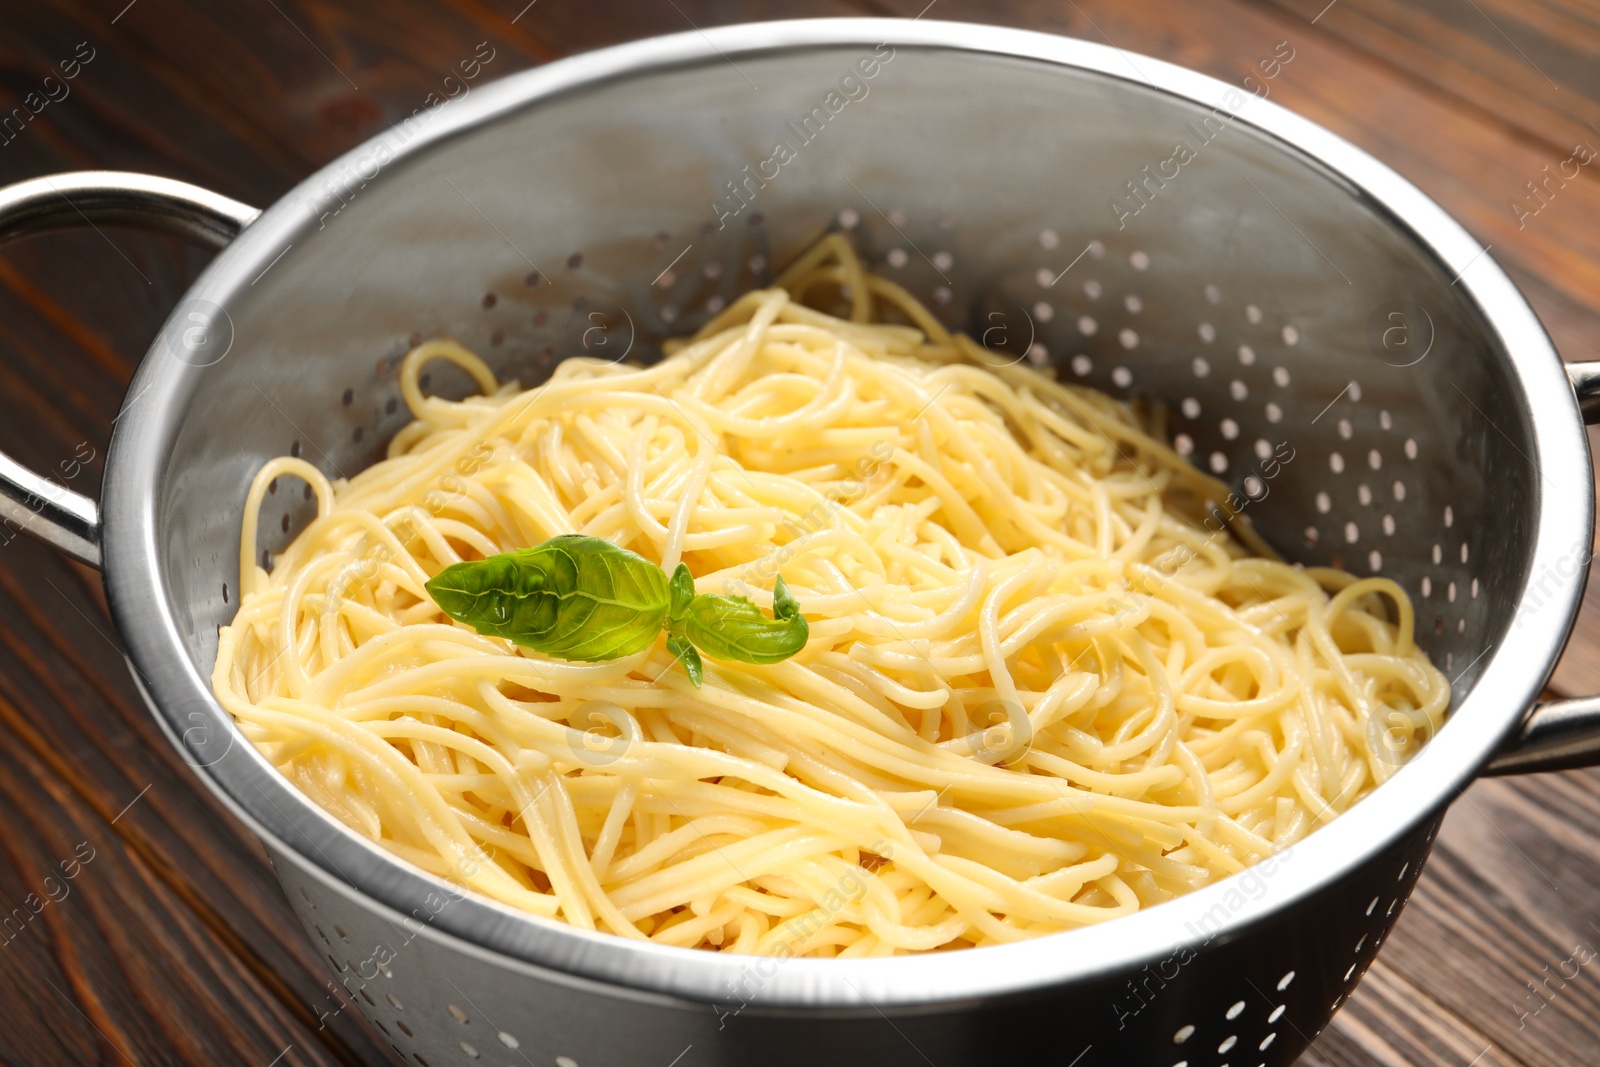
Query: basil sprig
x=585 y=598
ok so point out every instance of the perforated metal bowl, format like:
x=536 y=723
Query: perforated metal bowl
x=1278 y=290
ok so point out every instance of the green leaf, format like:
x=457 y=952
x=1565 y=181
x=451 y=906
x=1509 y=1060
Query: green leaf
x=784 y=606
x=681 y=649
x=732 y=627
x=575 y=597
x=682 y=585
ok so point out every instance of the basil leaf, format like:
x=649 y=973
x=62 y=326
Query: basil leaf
x=785 y=606
x=682 y=586
x=574 y=596
x=681 y=649
x=731 y=627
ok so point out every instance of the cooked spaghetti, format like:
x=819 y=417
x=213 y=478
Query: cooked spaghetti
x=1046 y=683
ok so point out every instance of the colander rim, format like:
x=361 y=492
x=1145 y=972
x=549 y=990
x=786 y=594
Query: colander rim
x=176 y=692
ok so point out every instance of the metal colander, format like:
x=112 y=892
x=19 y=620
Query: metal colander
x=1321 y=335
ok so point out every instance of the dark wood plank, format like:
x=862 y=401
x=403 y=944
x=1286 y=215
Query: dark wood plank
x=1525 y=64
x=193 y=888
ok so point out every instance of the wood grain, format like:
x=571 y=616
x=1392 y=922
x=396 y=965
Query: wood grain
x=173 y=945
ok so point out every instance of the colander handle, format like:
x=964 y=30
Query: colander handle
x=38 y=506
x=1559 y=735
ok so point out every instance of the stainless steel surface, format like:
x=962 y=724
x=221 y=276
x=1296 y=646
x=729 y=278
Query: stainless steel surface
x=1280 y=290
x=1559 y=734
x=1585 y=379
x=1555 y=736
x=49 y=511
x=1263 y=996
x=38 y=506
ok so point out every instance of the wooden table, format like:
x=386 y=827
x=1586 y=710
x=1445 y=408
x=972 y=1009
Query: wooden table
x=172 y=945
